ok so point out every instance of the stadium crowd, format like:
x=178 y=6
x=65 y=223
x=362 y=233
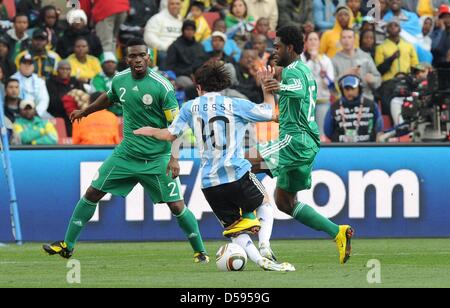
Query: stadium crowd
x=51 y=65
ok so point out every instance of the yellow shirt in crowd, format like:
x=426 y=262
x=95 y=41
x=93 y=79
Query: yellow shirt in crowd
x=203 y=31
x=87 y=70
x=330 y=43
x=425 y=8
x=408 y=57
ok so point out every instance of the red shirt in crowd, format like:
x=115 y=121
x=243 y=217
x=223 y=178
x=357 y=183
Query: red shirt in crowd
x=102 y=9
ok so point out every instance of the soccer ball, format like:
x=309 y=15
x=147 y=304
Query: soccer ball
x=231 y=258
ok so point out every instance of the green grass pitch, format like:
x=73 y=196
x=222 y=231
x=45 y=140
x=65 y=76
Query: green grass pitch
x=404 y=263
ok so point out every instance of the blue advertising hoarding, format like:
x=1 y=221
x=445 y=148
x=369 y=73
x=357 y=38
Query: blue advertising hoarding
x=381 y=191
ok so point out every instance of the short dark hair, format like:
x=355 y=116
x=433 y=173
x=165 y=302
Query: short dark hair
x=81 y=38
x=135 y=41
x=292 y=35
x=199 y=5
x=10 y=80
x=213 y=76
x=20 y=14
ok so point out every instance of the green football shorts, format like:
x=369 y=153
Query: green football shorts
x=290 y=162
x=119 y=175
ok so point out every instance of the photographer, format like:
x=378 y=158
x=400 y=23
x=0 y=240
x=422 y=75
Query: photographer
x=404 y=86
x=353 y=118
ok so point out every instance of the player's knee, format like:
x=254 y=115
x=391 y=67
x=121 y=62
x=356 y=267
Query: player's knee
x=176 y=208
x=94 y=195
x=284 y=205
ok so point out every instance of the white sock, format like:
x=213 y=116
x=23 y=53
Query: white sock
x=265 y=216
x=246 y=242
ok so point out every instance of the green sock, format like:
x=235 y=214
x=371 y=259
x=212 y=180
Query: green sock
x=309 y=217
x=250 y=215
x=83 y=212
x=188 y=223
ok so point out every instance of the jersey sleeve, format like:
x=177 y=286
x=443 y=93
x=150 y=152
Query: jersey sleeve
x=112 y=95
x=182 y=121
x=252 y=112
x=169 y=104
x=293 y=84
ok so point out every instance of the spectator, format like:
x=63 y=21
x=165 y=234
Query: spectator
x=324 y=14
x=203 y=31
x=100 y=128
x=409 y=21
x=185 y=6
x=423 y=7
x=140 y=12
x=381 y=24
x=219 y=40
x=262 y=27
x=247 y=83
x=231 y=48
x=221 y=7
x=33 y=130
x=3 y=11
x=84 y=66
x=58 y=86
x=163 y=29
x=180 y=93
x=354 y=118
x=323 y=71
x=330 y=42
x=411 y=29
x=395 y=55
x=259 y=43
x=48 y=21
x=295 y=13
x=12 y=100
x=108 y=16
x=8 y=65
x=264 y=9
x=31 y=9
x=424 y=39
x=239 y=23
x=354 y=61
x=355 y=8
x=78 y=22
x=185 y=55
x=45 y=61
x=441 y=37
x=367 y=42
x=102 y=82
x=32 y=88
x=17 y=36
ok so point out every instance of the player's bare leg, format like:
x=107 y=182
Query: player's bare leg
x=287 y=203
x=188 y=223
x=82 y=214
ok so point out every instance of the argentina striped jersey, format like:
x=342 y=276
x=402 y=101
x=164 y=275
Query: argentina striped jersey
x=219 y=124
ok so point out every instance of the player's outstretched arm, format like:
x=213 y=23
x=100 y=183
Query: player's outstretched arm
x=101 y=103
x=157 y=133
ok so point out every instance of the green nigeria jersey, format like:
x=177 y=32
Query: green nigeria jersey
x=298 y=95
x=149 y=101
